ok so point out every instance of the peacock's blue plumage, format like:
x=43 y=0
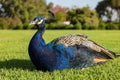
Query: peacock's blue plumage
x=70 y=51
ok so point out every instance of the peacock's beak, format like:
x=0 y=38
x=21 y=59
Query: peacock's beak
x=32 y=22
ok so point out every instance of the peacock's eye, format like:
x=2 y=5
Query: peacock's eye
x=39 y=20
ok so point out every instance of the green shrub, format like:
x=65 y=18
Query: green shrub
x=111 y=26
x=3 y=24
x=102 y=25
x=23 y=26
x=89 y=26
x=26 y=26
x=78 y=26
x=119 y=26
x=19 y=26
x=51 y=26
x=60 y=26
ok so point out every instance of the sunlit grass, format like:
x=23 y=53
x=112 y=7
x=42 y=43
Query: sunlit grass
x=16 y=65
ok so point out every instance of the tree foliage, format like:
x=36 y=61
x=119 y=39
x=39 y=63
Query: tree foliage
x=60 y=16
x=106 y=7
x=86 y=17
x=115 y=4
x=50 y=5
x=22 y=11
x=16 y=14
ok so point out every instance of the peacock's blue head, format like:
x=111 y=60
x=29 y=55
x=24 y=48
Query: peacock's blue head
x=38 y=21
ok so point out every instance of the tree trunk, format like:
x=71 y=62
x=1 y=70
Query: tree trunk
x=118 y=12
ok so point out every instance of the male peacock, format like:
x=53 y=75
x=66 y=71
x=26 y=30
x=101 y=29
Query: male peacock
x=70 y=51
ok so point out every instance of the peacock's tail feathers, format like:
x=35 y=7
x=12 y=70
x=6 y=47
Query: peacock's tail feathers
x=114 y=53
x=117 y=54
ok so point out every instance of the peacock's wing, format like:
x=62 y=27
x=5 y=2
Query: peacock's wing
x=79 y=39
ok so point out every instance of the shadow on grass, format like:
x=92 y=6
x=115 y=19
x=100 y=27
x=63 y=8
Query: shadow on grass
x=18 y=64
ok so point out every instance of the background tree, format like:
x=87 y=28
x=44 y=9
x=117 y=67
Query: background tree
x=107 y=7
x=22 y=11
x=115 y=4
x=60 y=13
x=103 y=9
x=86 y=17
x=50 y=5
x=60 y=16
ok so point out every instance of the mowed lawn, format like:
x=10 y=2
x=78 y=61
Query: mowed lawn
x=15 y=63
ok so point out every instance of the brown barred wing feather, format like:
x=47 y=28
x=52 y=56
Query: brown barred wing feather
x=80 y=39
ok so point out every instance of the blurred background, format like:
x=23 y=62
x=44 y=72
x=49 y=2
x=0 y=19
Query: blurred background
x=68 y=14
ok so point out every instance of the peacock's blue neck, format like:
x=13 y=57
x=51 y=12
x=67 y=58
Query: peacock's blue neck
x=41 y=28
x=41 y=54
x=37 y=41
x=36 y=45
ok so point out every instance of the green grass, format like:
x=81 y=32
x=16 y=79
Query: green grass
x=16 y=65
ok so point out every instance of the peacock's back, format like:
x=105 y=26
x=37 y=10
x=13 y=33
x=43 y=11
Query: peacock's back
x=82 y=41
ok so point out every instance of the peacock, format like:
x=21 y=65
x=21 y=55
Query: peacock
x=73 y=51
